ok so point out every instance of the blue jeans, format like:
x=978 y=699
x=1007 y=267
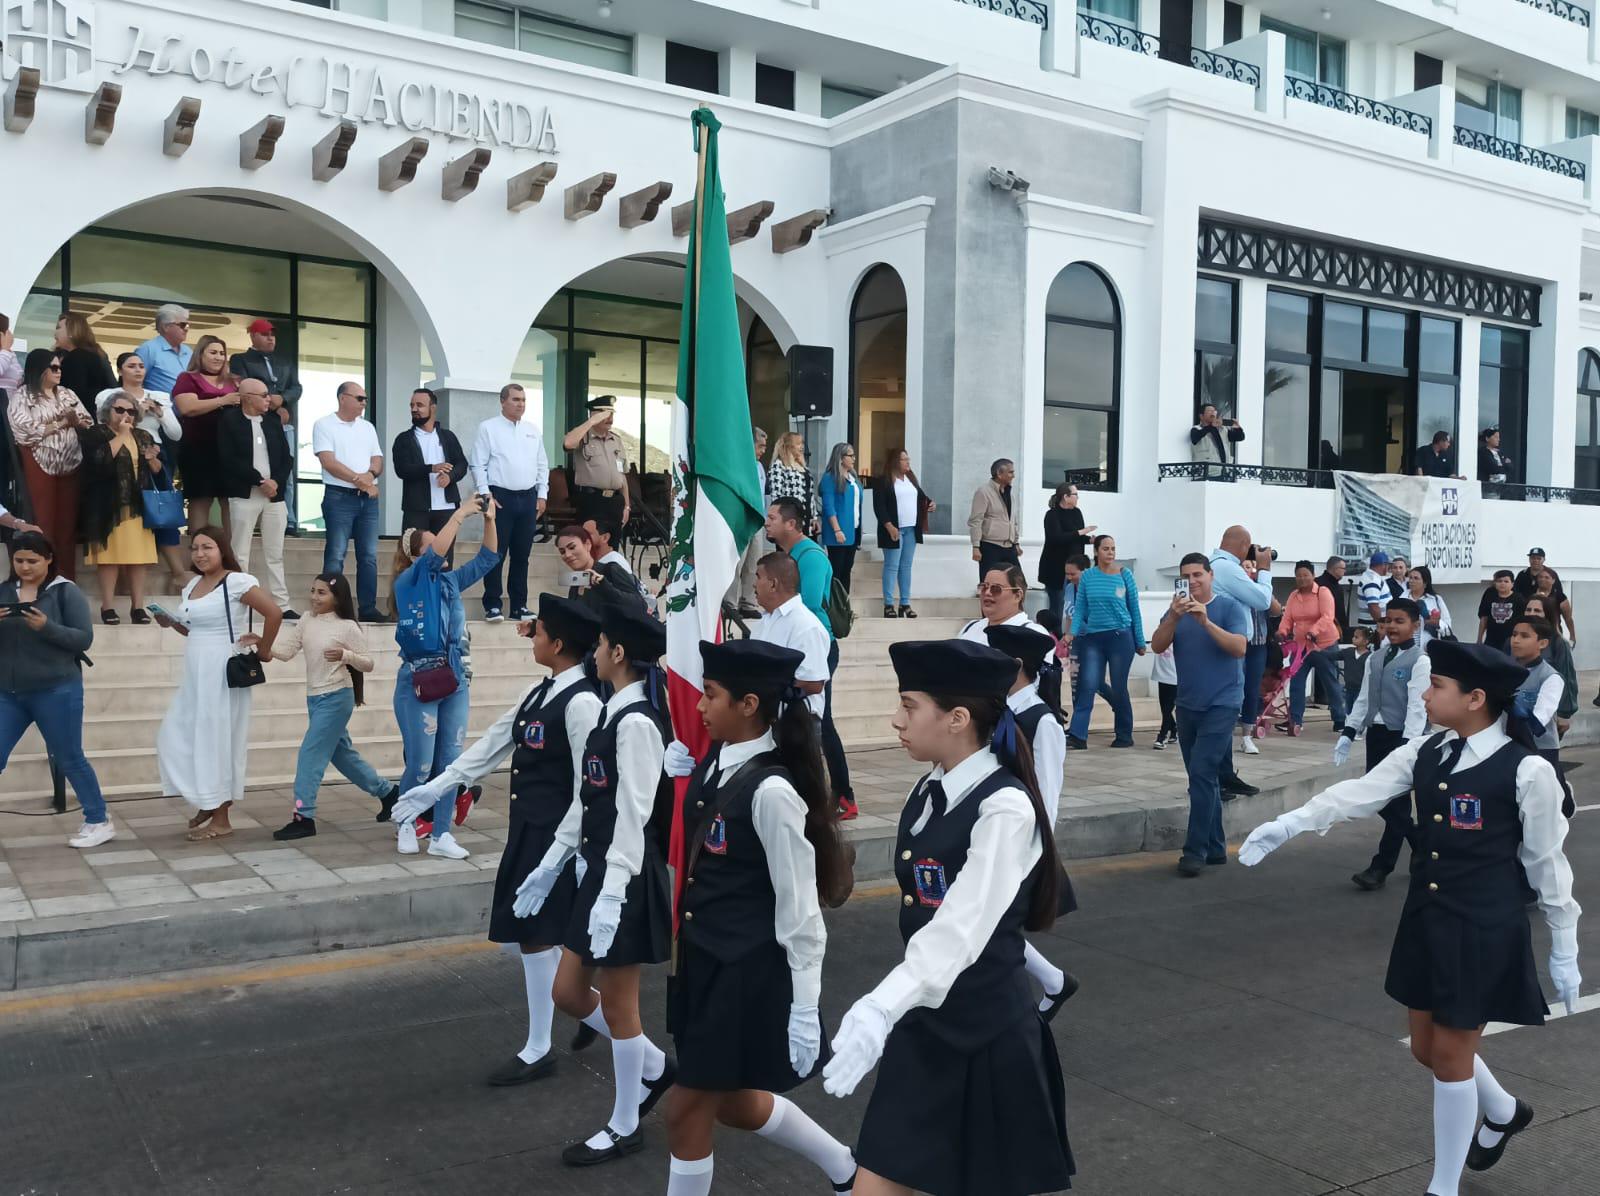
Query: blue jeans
x=516 y=523
x=58 y=713
x=897 y=564
x=433 y=735
x=1204 y=738
x=327 y=742
x=348 y=514
x=1325 y=665
x=1100 y=652
x=1055 y=601
x=1255 y=664
x=291 y=496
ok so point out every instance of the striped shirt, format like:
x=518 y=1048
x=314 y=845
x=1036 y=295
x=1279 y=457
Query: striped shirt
x=1108 y=602
x=55 y=449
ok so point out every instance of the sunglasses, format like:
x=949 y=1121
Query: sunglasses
x=123 y=411
x=994 y=591
x=180 y=323
x=54 y=365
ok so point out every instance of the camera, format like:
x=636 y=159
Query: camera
x=1256 y=550
x=483 y=502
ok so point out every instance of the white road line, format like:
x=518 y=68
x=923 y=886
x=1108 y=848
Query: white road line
x=1586 y=809
x=1557 y=1011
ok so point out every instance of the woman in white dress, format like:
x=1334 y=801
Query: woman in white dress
x=204 y=742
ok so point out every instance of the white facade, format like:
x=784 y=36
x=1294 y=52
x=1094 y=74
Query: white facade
x=1125 y=154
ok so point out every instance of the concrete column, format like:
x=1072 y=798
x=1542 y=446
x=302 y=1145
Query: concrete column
x=1208 y=23
x=1467 y=402
x=1552 y=386
x=736 y=73
x=396 y=373
x=650 y=56
x=1252 y=367
x=808 y=93
x=1058 y=45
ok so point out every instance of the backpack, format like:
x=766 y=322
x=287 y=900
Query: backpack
x=839 y=612
x=419 y=629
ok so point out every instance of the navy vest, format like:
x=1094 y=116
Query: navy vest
x=541 y=759
x=599 y=789
x=728 y=902
x=993 y=992
x=1028 y=721
x=1469 y=828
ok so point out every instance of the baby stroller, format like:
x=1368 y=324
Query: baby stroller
x=1275 y=691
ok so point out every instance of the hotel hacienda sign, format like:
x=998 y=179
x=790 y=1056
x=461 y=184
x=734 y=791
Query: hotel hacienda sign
x=60 y=39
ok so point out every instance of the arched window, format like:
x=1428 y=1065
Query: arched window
x=878 y=367
x=1586 y=437
x=767 y=369
x=1082 y=379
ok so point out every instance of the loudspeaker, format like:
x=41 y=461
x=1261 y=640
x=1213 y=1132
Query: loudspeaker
x=811 y=381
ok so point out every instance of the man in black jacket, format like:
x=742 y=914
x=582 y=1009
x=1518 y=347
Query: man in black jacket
x=428 y=460
x=256 y=474
x=282 y=377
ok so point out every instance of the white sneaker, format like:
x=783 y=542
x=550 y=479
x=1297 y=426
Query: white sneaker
x=92 y=834
x=407 y=839
x=447 y=846
x=1247 y=745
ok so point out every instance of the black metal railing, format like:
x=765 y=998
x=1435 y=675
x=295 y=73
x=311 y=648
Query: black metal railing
x=1224 y=67
x=1089 y=479
x=1031 y=11
x=1115 y=33
x=1343 y=101
x=1322 y=479
x=1526 y=154
x=1564 y=9
x=1517 y=492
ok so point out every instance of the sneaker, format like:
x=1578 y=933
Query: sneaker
x=1122 y=743
x=299 y=827
x=848 y=808
x=423 y=826
x=465 y=800
x=386 y=803
x=1160 y=744
x=447 y=846
x=291 y=615
x=1074 y=744
x=92 y=834
x=493 y=614
x=522 y=614
x=1247 y=745
x=374 y=616
x=406 y=842
x=1238 y=788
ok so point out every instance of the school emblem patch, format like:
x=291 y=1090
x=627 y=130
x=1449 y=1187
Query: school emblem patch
x=1466 y=813
x=929 y=875
x=717 y=836
x=594 y=771
x=533 y=736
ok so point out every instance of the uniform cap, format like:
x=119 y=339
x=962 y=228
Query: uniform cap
x=1021 y=642
x=751 y=666
x=952 y=667
x=575 y=625
x=1477 y=666
x=636 y=631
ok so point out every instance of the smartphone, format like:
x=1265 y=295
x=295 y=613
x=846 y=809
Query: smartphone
x=1181 y=587
x=483 y=503
x=19 y=608
x=159 y=611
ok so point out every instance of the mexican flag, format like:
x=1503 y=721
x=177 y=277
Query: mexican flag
x=716 y=494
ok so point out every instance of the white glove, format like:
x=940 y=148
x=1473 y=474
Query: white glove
x=1266 y=838
x=1341 y=751
x=1563 y=974
x=422 y=798
x=579 y=868
x=805 y=1038
x=533 y=890
x=857 y=1047
x=604 y=919
x=679 y=760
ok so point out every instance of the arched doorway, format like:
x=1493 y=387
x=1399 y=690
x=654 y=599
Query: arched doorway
x=878 y=323
x=1082 y=379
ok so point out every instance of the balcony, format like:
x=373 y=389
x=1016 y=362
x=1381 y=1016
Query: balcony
x=1211 y=63
x=1564 y=9
x=1322 y=479
x=1342 y=101
x=1031 y=11
x=1525 y=154
x=1115 y=33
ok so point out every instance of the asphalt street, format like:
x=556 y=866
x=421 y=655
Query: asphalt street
x=1231 y=1038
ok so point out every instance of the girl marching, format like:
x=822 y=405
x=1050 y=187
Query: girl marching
x=1488 y=808
x=763 y=846
x=621 y=915
x=545 y=735
x=969 y=1098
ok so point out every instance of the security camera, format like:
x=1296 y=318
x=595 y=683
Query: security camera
x=1008 y=180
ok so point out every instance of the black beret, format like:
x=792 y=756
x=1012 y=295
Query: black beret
x=1477 y=666
x=639 y=633
x=952 y=667
x=1023 y=642
x=750 y=666
x=574 y=624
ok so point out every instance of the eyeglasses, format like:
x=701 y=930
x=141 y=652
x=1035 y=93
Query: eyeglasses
x=123 y=411
x=994 y=591
x=179 y=323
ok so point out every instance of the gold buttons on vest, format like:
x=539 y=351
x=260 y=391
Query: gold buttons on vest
x=1442 y=785
x=1433 y=855
x=690 y=880
x=699 y=805
x=1433 y=888
x=689 y=916
x=1438 y=817
x=585 y=839
x=906 y=900
x=905 y=855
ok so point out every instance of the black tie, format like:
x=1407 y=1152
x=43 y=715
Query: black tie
x=1452 y=755
x=936 y=799
x=542 y=692
x=1391 y=653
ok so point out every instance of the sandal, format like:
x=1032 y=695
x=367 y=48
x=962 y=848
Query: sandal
x=200 y=819
x=110 y=617
x=209 y=833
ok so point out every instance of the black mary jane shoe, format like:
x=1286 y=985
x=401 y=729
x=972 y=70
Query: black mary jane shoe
x=581 y=1154
x=110 y=617
x=585 y=1036
x=849 y=1185
x=1069 y=986
x=514 y=1071
x=139 y=615
x=1481 y=1158
x=1370 y=880
x=658 y=1088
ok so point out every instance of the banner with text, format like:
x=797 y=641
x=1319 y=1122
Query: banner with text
x=1429 y=521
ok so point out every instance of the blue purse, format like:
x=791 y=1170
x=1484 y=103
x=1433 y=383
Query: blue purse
x=163 y=509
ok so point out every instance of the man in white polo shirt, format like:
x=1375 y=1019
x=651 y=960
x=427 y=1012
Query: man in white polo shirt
x=789 y=623
x=352 y=459
x=508 y=461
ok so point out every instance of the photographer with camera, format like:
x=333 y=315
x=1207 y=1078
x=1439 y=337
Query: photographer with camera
x=1214 y=440
x=1253 y=590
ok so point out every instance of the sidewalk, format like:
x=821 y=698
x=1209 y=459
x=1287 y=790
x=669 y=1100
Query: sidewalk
x=151 y=901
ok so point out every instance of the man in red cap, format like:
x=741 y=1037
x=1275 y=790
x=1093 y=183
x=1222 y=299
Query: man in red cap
x=262 y=360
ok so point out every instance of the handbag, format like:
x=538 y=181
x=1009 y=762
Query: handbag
x=163 y=509
x=244 y=668
x=433 y=680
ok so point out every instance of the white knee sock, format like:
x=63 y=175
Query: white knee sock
x=538 y=974
x=1455 y=1115
x=655 y=1061
x=627 y=1062
x=1494 y=1102
x=790 y=1128
x=1042 y=970
x=689 y=1177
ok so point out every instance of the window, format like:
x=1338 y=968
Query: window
x=1232 y=21
x=1286 y=425
x=694 y=68
x=774 y=86
x=1126 y=11
x=837 y=99
x=1216 y=338
x=1581 y=123
x=1438 y=382
x=514 y=29
x=1082 y=378
x=878 y=323
x=1586 y=471
x=1503 y=393
x=1486 y=106
x=1426 y=71
x=1310 y=55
